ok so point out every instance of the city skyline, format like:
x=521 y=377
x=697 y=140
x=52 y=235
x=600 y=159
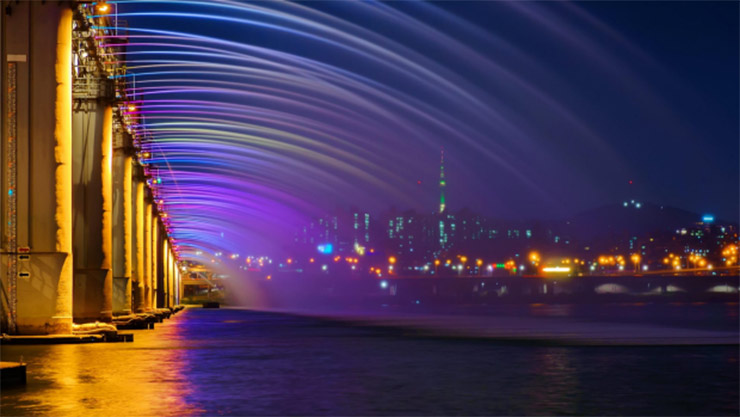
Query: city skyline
x=543 y=109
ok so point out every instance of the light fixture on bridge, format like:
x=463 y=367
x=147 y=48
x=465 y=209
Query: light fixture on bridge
x=103 y=7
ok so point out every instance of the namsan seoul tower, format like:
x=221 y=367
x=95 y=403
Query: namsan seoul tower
x=442 y=183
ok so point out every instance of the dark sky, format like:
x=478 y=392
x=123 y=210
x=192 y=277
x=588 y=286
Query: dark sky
x=266 y=112
x=658 y=83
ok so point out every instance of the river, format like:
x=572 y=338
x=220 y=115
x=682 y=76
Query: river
x=240 y=362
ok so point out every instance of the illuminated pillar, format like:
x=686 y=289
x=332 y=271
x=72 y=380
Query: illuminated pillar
x=36 y=174
x=92 y=206
x=106 y=311
x=156 y=256
x=122 y=225
x=138 y=276
x=178 y=285
x=147 y=267
x=165 y=274
x=171 y=280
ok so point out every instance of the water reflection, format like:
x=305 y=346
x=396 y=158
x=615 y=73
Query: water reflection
x=142 y=378
x=228 y=361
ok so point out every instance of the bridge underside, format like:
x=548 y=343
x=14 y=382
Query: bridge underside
x=82 y=237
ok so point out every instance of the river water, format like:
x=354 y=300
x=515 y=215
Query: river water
x=240 y=362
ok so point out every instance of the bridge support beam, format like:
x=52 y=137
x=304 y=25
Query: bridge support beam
x=148 y=256
x=159 y=264
x=139 y=277
x=122 y=224
x=92 y=203
x=155 y=248
x=171 y=277
x=166 y=273
x=36 y=173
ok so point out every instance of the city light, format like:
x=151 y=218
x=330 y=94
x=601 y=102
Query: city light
x=326 y=248
x=556 y=269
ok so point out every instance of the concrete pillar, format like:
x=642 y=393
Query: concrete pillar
x=159 y=264
x=156 y=256
x=36 y=133
x=171 y=278
x=122 y=225
x=148 y=252
x=177 y=285
x=92 y=205
x=166 y=271
x=138 y=276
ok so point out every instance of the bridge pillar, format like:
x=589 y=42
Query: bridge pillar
x=148 y=256
x=92 y=205
x=171 y=277
x=156 y=248
x=159 y=267
x=139 y=276
x=36 y=170
x=122 y=222
x=166 y=273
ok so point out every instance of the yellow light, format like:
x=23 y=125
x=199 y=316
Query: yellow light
x=311 y=260
x=556 y=269
x=131 y=107
x=392 y=260
x=103 y=7
x=463 y=259
x=479 y=262
x=436 y=262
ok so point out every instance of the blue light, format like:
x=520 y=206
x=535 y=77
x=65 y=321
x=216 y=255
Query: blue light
x=384 y=284
x=10 y=192
x=326 y=248
x=708 y=218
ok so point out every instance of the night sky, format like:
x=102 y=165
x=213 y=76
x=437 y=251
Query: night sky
x=543 y=109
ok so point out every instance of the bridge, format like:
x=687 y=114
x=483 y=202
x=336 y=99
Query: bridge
x=84 y=236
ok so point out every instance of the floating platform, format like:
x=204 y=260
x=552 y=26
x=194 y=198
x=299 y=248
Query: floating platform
x=12 y=374
x=60 y=339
